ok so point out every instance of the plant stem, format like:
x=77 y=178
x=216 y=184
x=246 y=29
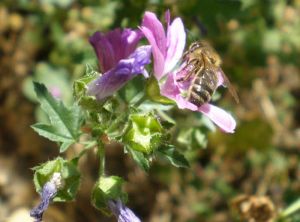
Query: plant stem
x=140 y=100
x=101 y=154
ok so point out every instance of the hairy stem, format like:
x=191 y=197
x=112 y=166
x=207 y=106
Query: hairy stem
x=101 y=154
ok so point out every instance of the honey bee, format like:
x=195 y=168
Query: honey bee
x=203 y=67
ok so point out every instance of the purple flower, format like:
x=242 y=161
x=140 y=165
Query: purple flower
x=119 y=59
x=123 y=213
x=48 y=193
x=167 y=50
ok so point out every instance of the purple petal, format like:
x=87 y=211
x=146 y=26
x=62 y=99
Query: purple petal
x=176 y=41
x=124 y=42
x=114 y=46
x=123 y=213
x=48 y=193
x=220 y=117
x=158 y=56
x=117 y=77
x=104 y=51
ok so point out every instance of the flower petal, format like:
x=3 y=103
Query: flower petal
x=219 y=116
x=104 y=51
x=115 y=45
x=141 y=58
x=151 y=22
x=123 y=42
x=171 y=90
x=158 y=57
x=123 y=213
x=117 y=77
x=176 y=42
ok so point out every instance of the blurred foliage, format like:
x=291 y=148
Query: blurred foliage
x=47 y=41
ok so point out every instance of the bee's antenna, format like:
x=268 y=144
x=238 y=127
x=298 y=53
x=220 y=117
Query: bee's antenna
x=200 y=25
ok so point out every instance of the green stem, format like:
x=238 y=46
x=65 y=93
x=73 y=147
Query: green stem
x=140 y=100
x=101 y=154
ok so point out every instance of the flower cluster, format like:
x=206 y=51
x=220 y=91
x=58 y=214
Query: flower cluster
x=120 y=61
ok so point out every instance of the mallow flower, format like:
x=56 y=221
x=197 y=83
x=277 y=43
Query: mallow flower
x=167 y=50
x=119 y=58
x=121 y=212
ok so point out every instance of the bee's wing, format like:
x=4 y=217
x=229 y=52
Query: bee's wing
x=229 y=86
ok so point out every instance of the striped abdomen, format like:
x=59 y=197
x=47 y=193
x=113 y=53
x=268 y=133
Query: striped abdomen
x=202 y=87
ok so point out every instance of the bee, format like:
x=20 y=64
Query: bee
x=203 y=69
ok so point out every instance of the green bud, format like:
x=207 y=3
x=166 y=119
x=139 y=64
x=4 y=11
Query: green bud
x=69 y=175
x=107 y=188
x=80 y=87
x=144 y=133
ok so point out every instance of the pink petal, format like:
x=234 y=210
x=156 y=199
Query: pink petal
x=158 y=57
x=220 y=117
x=176 y=41
x=154 y=25
x=171 y=90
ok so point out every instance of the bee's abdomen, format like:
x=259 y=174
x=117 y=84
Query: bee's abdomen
x=202 y=87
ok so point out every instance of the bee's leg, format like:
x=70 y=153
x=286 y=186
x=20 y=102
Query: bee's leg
x=190 y=68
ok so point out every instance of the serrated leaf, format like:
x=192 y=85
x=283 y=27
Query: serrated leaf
x=173 y=156
x=140 y=159
x=65 y=122
x=65 y=145
x=50 y=133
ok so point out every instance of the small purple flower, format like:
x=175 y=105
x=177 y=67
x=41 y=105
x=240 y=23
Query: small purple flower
x=48 y=193
x=123 y=213
x=120 y=60
x=167 y=50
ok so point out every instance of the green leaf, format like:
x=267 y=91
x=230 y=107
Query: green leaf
x=50 y=132
x=65 y=123
x=140 y=159
x=173 y=156
x=108 y=188
x=69 y=173
x=65 y=145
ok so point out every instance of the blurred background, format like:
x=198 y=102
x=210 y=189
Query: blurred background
x=259 y=41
